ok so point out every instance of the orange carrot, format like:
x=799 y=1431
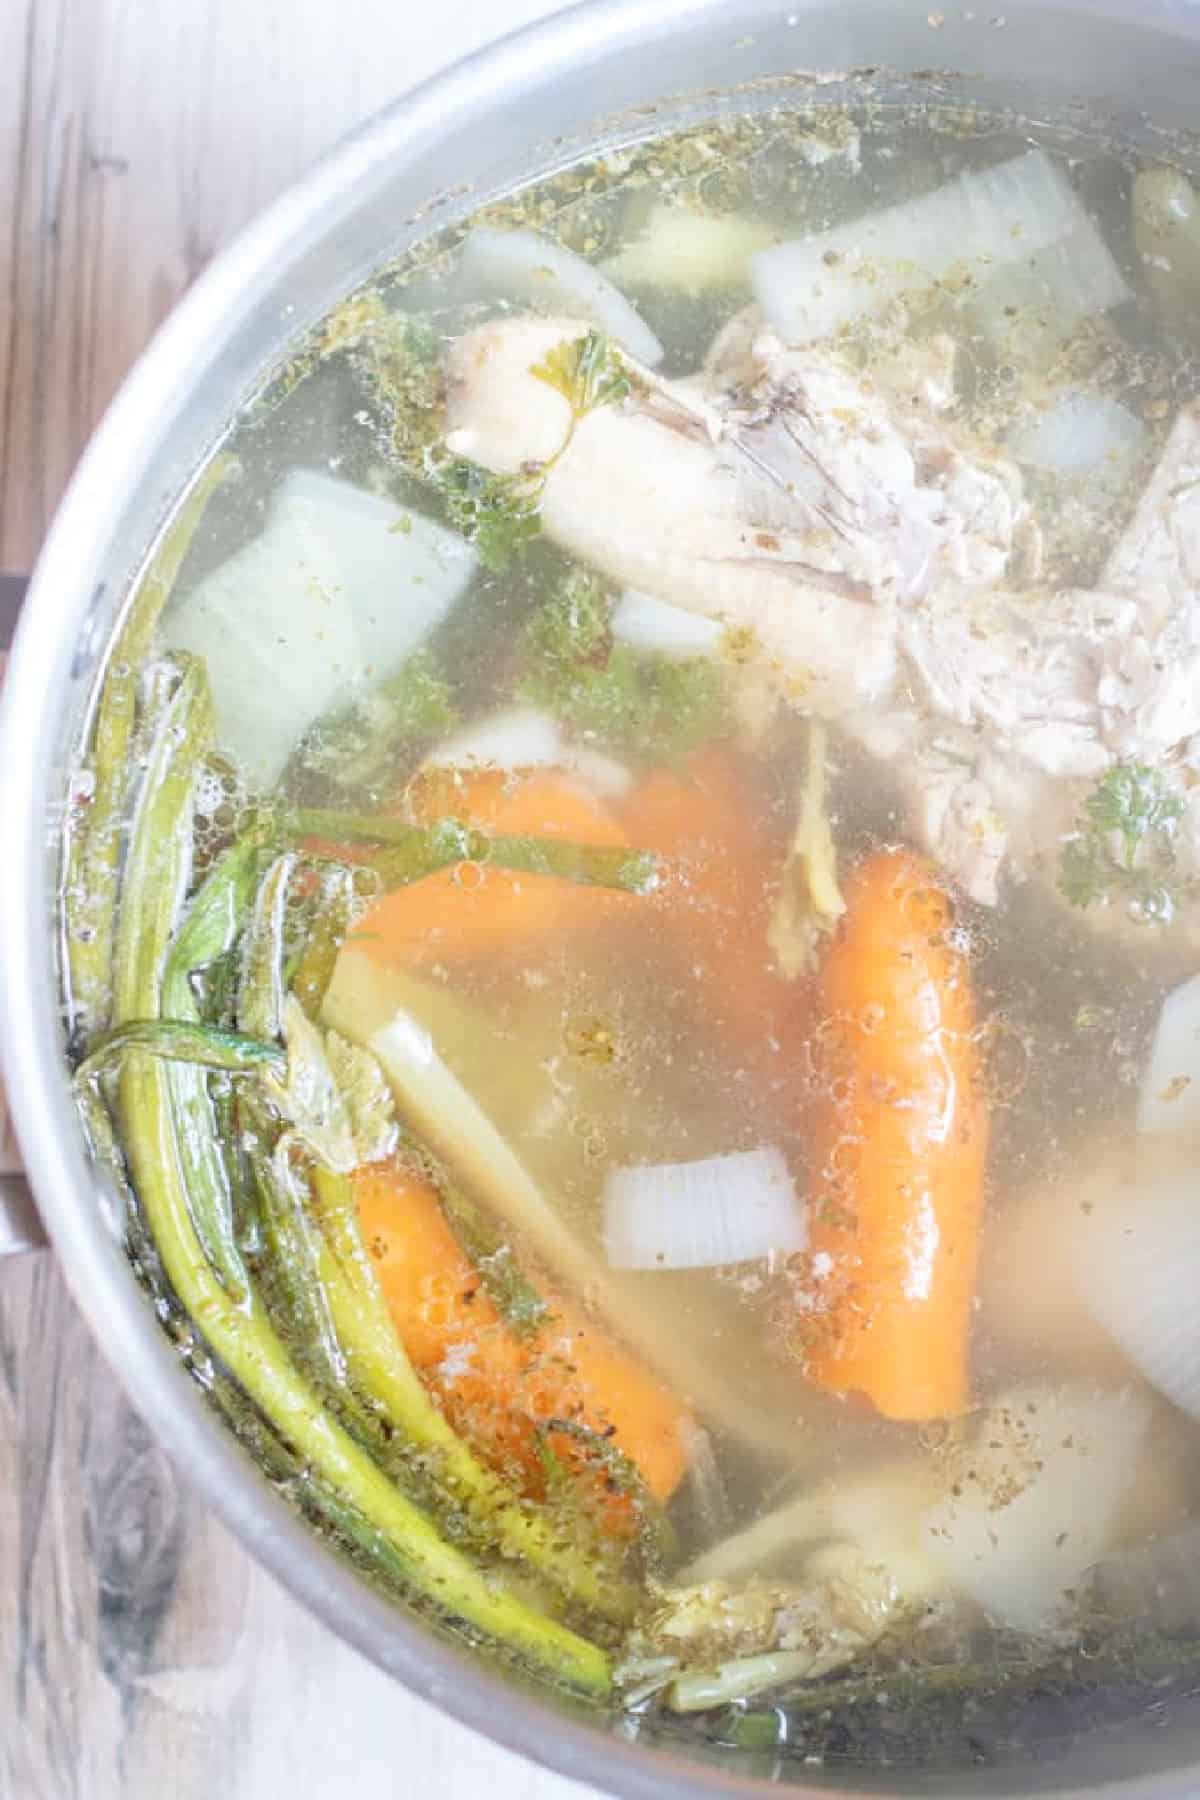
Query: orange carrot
x=495 y=1387
x=900 y=1150
x=475 y=910
x=716 y=894
x=533 y=802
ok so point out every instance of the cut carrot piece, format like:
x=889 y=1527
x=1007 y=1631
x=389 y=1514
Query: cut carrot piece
x=495 y=1387
x=716 y=893
x=900 y=1150
x=533 y=803
x=473 y=909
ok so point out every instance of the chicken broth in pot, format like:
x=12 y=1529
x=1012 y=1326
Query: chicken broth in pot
x=631 y=916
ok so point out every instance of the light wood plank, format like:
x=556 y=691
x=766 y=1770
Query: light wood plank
x=141 y=1652
x=134 y=141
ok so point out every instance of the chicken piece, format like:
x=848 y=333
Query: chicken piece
x=1150 y=689
x=1158 y=557
x=1050 y=691
x=1023 y=674
x=794 y=510
x=648 y=497
x=910 y=373
x=644 y=494
x=730 y=363
x=917 y=502
x=1008 y=739
x=875 y=553
x=953 y=809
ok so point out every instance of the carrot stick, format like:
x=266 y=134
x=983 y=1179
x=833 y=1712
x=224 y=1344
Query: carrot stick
x=536 y=802
x=716 y=892
x=472 y=909
x=900 y=1149
x=496 y=1388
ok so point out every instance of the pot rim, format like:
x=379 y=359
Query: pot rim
x=78 y=1217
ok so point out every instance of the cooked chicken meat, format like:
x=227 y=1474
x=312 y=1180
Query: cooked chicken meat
x=884 y=560
x=646 y=494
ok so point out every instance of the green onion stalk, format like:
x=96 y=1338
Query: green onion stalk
x=94 y=843
x=400 y=852
x=178 y=1186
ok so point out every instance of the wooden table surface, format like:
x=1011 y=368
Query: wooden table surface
x=141 y=1653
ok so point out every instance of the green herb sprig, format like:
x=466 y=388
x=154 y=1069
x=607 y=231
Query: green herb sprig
x=589 y=372
x=651 y=707
x=398 y=358
x=1124 y=844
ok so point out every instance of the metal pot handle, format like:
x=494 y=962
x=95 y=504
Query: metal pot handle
x=20 y=1227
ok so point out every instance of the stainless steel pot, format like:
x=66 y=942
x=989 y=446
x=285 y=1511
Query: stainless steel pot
x=532 y=103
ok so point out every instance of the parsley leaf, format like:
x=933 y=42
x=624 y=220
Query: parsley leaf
x=417 y=702
x=588 y=372
x=1134 y=801
x=364 y=745
x=649 y=706
x=1124 y=843
x=499 y=513
x=398 y=355
x=570 y=630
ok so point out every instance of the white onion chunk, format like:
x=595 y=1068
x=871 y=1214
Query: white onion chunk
x=524 y=267
x=719 y=1211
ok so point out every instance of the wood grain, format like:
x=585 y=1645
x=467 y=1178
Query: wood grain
x=135 y=139
x=141 y=1652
